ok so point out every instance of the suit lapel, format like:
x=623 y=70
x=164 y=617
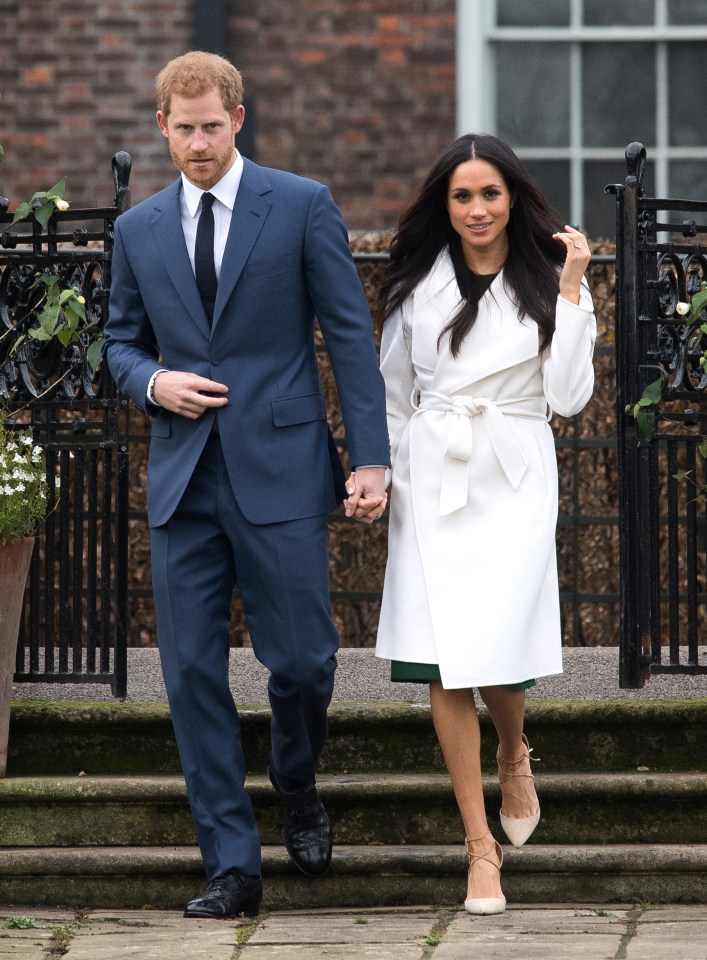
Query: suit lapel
x=166 y=226
x=249 y=215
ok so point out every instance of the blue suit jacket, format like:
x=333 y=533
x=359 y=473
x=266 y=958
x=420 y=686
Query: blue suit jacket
x=286 y=260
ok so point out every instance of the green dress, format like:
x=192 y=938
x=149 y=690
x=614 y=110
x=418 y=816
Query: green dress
x=403 y=672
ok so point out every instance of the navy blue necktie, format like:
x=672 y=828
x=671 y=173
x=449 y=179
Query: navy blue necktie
x=204 y=266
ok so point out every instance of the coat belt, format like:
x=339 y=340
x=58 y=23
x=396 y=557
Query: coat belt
x=459 y=410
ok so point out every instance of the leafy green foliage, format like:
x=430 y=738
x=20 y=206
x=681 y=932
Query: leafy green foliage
x=641 y=410
x=20 y=923
x=63 y=317
x=42 y=205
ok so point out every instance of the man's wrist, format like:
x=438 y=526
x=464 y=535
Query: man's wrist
x=151 y=387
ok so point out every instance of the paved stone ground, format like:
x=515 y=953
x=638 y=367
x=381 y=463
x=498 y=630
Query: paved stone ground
x=590 y=673
x=564 y=932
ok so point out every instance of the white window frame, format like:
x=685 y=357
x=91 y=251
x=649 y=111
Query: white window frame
x=477 y=38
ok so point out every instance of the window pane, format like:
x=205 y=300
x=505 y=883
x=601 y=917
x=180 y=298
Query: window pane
x=613 y=119
x=688 y=180
x=553 y=178
x=532 y=86
x=600 y=207
x=598 y=13
x=687 y=12
x=530 y=13
x=688 y=106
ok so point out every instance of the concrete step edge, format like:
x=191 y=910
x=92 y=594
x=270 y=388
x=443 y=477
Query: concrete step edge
x=360 y=876
x=349 y=859
x=141 y=789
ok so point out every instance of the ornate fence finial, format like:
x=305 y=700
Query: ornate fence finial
x=636 y=164
x=121 y=165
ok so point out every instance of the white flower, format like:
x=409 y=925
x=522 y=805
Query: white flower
x=682 y=308
x=61 y=205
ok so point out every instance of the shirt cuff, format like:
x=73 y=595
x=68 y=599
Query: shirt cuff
x=150 y=386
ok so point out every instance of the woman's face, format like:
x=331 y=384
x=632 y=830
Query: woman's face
x=479 y=204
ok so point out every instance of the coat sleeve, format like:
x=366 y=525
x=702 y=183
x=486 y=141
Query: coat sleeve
x=568 y=371
x=399 y=376
x=345 y=321
x=131 y=348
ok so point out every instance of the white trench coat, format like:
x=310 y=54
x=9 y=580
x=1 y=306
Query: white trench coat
x=471 y=580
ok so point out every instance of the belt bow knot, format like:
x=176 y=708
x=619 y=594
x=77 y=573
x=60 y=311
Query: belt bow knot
x=459 y=410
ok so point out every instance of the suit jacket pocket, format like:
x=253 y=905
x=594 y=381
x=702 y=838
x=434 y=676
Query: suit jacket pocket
x=269 y=268
x=162 y=425
x=288 y=411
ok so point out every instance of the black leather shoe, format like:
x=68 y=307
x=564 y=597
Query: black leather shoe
x=306 y=830
x=228 y=897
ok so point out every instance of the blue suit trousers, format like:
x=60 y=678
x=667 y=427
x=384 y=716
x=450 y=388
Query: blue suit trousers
x=282 y=572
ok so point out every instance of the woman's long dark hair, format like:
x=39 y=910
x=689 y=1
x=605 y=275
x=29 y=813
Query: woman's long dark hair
x=530 y=272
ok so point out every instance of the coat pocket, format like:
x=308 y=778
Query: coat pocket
x=303 y=409
x=269 y=268
x=162 y=425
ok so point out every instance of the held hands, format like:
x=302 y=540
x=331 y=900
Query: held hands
x=188 y=394
x=366 y=494
x=578 y=257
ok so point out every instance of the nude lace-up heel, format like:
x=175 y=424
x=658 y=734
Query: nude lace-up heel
x=484 y=906
x=517 y=829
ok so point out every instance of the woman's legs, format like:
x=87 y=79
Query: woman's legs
x=456 y=724
x=506 y=708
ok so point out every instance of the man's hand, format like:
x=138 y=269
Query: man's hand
x=188 y=394
x=366 y=494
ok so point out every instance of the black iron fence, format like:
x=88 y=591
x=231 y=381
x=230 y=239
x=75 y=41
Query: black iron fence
x=88 y=599
x=661 y=264
x=74 y=625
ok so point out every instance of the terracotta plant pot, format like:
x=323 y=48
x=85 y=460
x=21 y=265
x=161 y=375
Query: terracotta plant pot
x=14 y=565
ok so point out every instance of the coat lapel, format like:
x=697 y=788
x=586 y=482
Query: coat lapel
x=249 y=214
x=166 y=226
x=497 y=341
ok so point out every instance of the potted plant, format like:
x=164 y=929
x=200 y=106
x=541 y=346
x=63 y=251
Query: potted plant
x=22 y=506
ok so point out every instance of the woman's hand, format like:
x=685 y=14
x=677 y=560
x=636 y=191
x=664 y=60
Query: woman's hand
x=366 y=494
x=576 y=262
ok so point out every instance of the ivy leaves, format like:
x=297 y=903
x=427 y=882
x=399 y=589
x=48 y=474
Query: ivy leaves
x=641 y=410
x=42 y=205
x=63 y=317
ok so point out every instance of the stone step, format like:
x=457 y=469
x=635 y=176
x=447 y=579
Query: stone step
x=64 y=738
x=360 y=876
x=633 y=808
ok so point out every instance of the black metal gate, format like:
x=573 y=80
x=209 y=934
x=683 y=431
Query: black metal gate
x=74 y=625
x=661 y=263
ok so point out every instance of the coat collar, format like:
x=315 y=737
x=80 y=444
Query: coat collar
x=497 y=341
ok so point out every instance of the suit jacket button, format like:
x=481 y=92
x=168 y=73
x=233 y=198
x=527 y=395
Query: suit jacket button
x=216 y=361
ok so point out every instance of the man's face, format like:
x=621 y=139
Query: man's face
x=201 y=136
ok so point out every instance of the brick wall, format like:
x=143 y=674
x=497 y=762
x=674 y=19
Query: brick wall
x=359 y=95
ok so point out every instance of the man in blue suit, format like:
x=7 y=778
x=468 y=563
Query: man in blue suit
x=216 y=284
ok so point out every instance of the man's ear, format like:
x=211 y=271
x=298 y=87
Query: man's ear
x=237 y=118
x=162 y=123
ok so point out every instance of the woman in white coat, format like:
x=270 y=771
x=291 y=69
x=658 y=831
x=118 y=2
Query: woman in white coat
x=488 y=327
